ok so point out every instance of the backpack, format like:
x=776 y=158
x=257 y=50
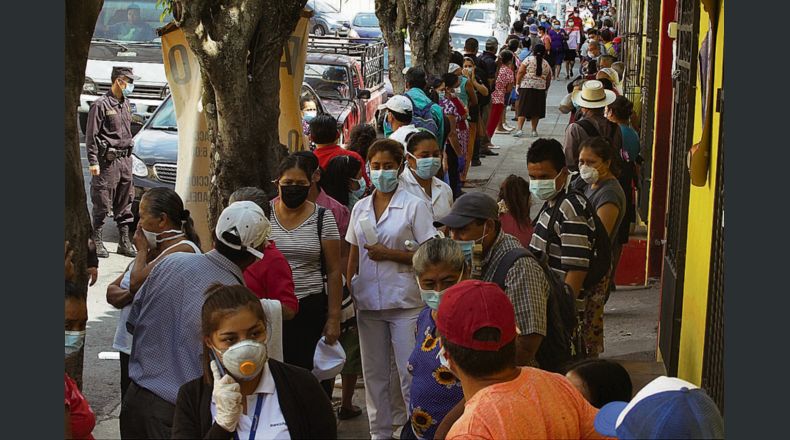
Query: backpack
x=601 y=261
x=423 y=118
x=562 y=342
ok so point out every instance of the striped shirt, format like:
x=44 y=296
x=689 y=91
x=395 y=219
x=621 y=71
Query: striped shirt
x=570 y=244
x=525 y=285
x=302 y=248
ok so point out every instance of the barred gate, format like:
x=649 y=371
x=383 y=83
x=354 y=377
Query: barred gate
x=713 y=357
x=649 y=89
x=684 y=78
x=631 y=50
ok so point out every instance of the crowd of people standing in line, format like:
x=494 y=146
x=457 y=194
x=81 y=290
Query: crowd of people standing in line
x=445 y=303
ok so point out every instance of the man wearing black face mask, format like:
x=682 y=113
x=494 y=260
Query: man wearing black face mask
x=474 y=219
x=108 y=142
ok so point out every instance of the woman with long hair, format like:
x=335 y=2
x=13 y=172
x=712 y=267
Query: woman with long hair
x=599 y=166
x=342 y=180
x=514 y=198
x=308 y=237
x=165 y=227
x=502 y=88
x=534 y=78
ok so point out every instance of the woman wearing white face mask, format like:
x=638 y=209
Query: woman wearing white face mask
x=79 y=418
x=165 y=227
x=438 y=264
x=241 y=387
x=382 y=279
x=425 y=159
x=599 y=164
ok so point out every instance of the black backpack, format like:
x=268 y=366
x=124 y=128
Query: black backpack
x=562 y=342
x=601 y=261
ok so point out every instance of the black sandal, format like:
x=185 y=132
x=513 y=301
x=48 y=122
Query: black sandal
x=345 y=414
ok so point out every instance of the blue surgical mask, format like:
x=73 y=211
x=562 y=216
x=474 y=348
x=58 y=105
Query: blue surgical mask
x=309 y=115
x=441 y=95
x=358 y=193
x=384 y=180
x=128 y=90
x=433 y=297
x=427 y=167
x=74 y=341
x=544 y=189
x=387 y=127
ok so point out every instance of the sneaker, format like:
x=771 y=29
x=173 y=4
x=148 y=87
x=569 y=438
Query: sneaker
x=518 y=134
x=534 y=133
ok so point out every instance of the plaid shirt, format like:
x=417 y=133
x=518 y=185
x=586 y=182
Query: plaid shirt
x=167 y=347
x=526 y=284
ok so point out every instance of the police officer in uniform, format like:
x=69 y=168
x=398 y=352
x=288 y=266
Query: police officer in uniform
x=108 y=139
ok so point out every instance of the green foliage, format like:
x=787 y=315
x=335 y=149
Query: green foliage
x=167 y=8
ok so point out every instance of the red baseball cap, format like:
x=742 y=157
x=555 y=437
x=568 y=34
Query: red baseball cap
x=471 y=305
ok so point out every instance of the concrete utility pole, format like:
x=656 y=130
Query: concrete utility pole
x=502 y=23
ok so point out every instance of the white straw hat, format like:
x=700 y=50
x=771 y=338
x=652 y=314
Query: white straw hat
x=593 y=95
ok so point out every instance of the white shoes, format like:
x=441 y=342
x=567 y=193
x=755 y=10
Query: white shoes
x=534 y=133
x=518 y=134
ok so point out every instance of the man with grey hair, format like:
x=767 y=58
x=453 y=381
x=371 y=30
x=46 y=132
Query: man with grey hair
x=474 y=219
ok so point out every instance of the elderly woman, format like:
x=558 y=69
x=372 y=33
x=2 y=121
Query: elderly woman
x=438 y=264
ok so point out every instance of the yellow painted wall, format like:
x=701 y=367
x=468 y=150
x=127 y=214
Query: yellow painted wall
x=700 y=228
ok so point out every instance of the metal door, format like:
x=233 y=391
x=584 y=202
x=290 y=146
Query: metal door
x=631 y=32
x=684 y=78
x=649 y=102
x=713 y=357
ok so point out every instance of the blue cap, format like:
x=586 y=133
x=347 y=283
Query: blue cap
x=667 y=407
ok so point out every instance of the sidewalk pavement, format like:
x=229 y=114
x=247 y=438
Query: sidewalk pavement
x=631 y=315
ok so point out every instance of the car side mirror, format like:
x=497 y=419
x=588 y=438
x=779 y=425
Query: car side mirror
x=138 y=121
x=363 y=94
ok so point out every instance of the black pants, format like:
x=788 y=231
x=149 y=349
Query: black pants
x=452 y=171
x=113 y=189
x=125 y=381
x=145 y=415
x=301 y=334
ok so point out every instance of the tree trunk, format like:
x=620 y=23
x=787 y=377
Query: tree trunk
x=392 y=19
x=238 y=44
x=502 y=25
x=429 y=36
x=80 y=20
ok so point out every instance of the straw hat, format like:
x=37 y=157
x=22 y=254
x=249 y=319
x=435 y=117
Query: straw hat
x=593 y=95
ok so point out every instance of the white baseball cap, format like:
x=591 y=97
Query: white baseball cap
x=243 y=226
x=398 y=104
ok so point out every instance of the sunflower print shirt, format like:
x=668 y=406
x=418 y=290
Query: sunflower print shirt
x=434 y=389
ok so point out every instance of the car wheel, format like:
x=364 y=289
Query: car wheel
x=319 y=31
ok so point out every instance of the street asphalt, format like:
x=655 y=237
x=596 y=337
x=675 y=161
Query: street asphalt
x=631 y=316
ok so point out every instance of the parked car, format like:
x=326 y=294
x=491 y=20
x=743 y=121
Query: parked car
x=327 y=20
x=526 y=5
x=365 y=25
x=155 y=152
x=472 y=21
x=139 y=48
x=349 y=78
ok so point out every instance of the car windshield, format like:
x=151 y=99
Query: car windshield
x=321 y=6
x=461 y=12
x=366 y=20
x=165 y=117
x=130 y=22
x=481 y=16
x=330 y=82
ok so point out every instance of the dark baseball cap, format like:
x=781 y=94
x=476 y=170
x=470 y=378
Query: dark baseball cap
x=472 y=305
x=124 y=71
x=468 y=207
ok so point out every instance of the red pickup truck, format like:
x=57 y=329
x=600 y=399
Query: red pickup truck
x=349 y=78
